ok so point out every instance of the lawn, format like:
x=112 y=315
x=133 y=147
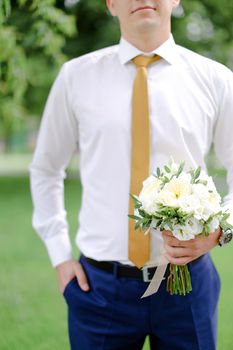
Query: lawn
x=33 y=314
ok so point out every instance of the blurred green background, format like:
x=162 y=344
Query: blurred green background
x=36 y=37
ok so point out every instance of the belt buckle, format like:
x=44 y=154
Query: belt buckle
x=146 y=274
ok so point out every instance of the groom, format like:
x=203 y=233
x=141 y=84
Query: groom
x=128 y=106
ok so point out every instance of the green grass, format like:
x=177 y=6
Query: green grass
x=33 y=313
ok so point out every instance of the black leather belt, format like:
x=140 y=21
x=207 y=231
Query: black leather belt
x=123 y=270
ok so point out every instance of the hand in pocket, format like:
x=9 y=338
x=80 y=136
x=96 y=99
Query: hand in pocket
x=67 y=270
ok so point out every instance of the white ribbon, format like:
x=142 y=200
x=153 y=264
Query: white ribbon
x=156 y=280
x=159 y=260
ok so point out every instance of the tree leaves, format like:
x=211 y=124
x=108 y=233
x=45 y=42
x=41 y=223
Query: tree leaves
x=5 y=10
x=32 y=35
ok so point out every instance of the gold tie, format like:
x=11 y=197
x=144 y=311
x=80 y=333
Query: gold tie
x=139 y=243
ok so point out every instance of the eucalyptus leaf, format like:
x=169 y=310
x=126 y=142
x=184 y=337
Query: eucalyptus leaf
x=167 y=169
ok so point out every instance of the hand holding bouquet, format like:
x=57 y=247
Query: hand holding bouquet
x=183 y=202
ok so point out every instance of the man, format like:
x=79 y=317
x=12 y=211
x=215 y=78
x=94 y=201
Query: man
x=190 y=106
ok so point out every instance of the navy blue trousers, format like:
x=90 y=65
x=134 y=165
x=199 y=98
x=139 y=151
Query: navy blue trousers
x=112 y=316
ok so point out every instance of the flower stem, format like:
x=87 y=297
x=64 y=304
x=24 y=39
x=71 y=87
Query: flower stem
x=179 y=280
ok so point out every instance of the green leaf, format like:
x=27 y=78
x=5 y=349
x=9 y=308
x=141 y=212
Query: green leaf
x=197 y=173
x=146 y=221
x=5 y=10
x=181 y=168
x=135 y=199
x=165 y=179
x=135 y=217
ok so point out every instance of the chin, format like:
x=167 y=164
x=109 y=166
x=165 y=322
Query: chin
x=147 y=24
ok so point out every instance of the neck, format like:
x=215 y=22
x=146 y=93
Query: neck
x=146 y=42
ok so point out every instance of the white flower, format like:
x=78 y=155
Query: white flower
x=181 y=234
x=151 y=180
x=167 y=198
x=213 y=225
x=186 y=177
x=200 y=191
x=209 y=202
x=192 y=228
x=210 y=183
x=202 y=213
x=214 y=201
x=178 y=187
x=189 y=204
x=149 y=193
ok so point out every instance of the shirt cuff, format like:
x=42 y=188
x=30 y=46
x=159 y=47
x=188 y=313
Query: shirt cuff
x=59 y=248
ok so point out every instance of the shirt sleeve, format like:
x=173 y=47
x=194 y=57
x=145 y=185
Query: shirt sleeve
x=223 y=135
x=56 y=144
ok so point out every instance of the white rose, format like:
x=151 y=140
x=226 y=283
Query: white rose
x=214 y=201
x=213 y=225
x=186 y=177
x=181 y=234
x=167 y=198
x=179 y=187
x=149 y=193
x=189 y=203
x=200 y=191
x=210 y=183
x=151 y=180
x=150 y=206
x=192 y=228
x=202 y=213
x=209 y=202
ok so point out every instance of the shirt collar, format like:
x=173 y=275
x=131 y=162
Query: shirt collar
x=168 y=51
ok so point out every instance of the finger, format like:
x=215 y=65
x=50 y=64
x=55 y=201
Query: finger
x=81 y=277
x=176 y=252
x=167 y=233
x=170 y=239
x=174 y=242
x=179 y=261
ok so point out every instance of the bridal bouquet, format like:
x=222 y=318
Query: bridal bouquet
x=183 y=202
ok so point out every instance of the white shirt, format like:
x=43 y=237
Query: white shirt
x=191 y=106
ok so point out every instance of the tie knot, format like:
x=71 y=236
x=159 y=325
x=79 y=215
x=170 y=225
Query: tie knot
x=144 y=61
